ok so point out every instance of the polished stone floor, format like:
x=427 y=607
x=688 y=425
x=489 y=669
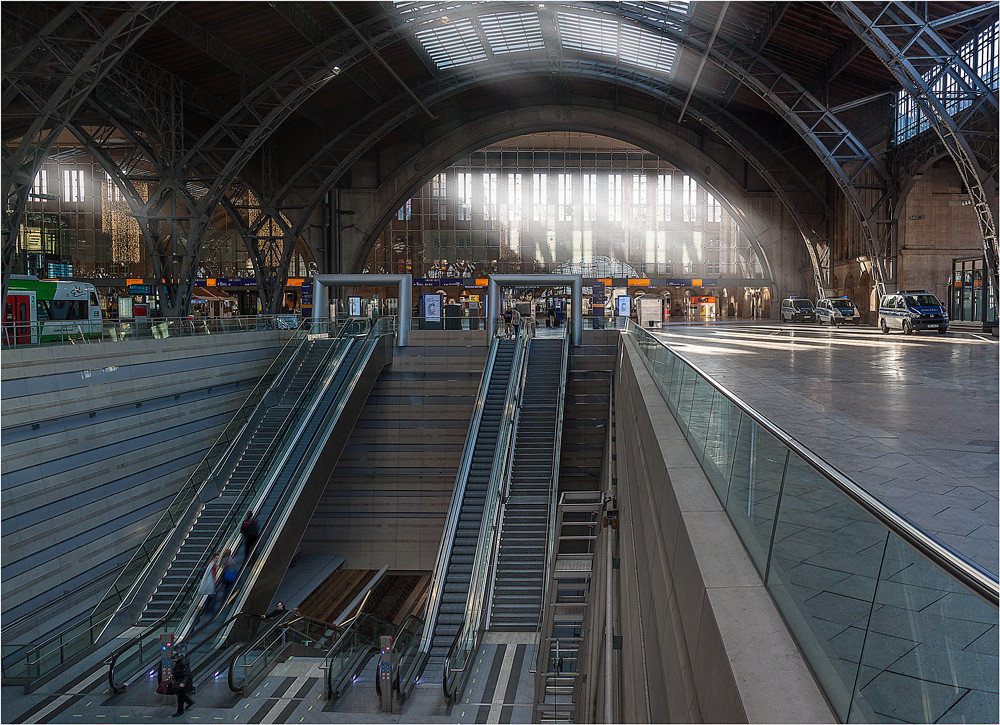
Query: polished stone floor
x=912 y=419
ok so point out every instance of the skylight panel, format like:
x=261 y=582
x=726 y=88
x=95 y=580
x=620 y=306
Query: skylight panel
x=512 y=32
x=605 y=36
x=588 y=34
x=423 y=12
x=646 y=50
x=453 y=44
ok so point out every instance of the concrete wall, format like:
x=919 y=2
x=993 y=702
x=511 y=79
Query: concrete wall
x=97 y=439
x=388 y=497
x=702 y=638
x=947 y=230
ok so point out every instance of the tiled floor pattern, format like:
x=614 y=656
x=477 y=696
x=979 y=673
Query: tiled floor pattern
x=913 y=419
x=499 y=691
x=927 y=648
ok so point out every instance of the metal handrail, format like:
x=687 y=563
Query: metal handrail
x=451 y=523
x=99 y=618
x=554 y=481
x=475 y=613
x=101 y=330
x=967 y=572
x=190 y=487
x=382 y=326
x=284 y=622
x=178 y=603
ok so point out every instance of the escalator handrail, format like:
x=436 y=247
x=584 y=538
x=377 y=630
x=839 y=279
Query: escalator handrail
x=281 y=510
x=328 y=372
x=551 y=537
x=360 y=621
x=285 y=621
x=299 y=337
x=194 y=576
x=337 y=351
x=401 y=687
x=486 y=549
x=112 y=659
x=451 y=523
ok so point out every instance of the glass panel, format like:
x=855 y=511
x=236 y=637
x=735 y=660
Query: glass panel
x=701 y=412
x=720 y=443
x=930 y=654
x=758 y=465
x=685 y=398
x=825 y=561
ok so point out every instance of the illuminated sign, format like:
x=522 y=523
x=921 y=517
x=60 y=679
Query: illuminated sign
x=640 y=283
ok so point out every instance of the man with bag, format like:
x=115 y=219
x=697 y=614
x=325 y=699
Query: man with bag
x=182 y=683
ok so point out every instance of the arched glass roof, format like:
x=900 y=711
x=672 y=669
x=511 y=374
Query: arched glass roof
x=466 y=39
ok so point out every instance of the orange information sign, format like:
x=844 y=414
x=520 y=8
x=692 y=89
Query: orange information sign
x=482 y=282
x=295 y=282
x=605 y=282
x=696 y=283
x=638 y=283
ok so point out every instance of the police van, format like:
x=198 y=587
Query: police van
x=797 y=309
x=912 y=310
x=837 y=311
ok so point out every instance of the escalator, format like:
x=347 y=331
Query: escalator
x=519 y=583
x=202 y=534
x=270 y=642
x=458 y=575
x=280 y=479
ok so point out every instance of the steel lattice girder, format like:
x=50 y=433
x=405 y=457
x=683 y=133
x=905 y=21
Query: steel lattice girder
x=126 y=163
x=845 y=156
x=856 y=170
x=52 y=74
x=304 y=191
x=917 y=56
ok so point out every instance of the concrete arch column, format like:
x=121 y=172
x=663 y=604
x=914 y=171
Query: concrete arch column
x=767 y=231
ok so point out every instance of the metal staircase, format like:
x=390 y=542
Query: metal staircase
x=519 y=582
x=455 y=593
x=201 y=534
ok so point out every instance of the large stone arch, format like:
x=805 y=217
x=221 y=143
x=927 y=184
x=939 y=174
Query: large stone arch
x=760 y=217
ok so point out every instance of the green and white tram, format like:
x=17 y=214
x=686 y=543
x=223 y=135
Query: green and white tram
x=42 y=311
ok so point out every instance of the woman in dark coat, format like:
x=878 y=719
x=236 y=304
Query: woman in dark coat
x=181 y=673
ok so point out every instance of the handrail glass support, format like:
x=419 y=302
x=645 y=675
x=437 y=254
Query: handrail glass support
x=181 y=611
x=894 y=624
x=466 y=642
x=409 y=675
x=47 y=657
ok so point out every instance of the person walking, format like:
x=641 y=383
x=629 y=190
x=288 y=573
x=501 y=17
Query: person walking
x=207 y=587
x=181 y=674
x=229 y=572
x=250 y=531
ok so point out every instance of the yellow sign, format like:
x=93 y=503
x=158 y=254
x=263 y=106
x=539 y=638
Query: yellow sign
x=638 y=283
x=482 y=282
x=210 y=282
x=696 y=283
x=297 y=282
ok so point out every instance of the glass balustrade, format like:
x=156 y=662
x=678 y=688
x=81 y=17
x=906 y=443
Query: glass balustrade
x=895 y=626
